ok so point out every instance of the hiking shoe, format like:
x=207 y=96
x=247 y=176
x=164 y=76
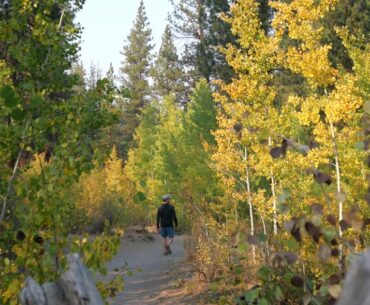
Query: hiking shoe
x=168 y=250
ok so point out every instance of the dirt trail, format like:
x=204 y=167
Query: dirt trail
x=160 y=278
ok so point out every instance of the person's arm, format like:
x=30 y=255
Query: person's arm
x=174 y=217
x=158 y=217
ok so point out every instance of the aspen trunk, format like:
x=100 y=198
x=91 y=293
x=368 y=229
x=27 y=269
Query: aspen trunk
x=274 y=205
x=338 y=178
x=250 y=202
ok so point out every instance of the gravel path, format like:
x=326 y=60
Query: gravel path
x=160 y=278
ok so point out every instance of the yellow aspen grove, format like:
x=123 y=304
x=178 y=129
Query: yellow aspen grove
x=331 y=108
x=294 y=154
x=248 y=117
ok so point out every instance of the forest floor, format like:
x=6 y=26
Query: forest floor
x=160 y=280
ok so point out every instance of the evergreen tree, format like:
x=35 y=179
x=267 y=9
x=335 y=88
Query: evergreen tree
x=110 y=74
x=202 y=114
x=218 y=35
x=167 y=73
x=189 y=21
x=353 y=14
x=201 y=23
x=80 y=73
x=198 y=177
x=135 y=72
x=95 y=74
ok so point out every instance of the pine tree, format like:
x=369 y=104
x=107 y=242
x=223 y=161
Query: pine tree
x=189 y=20
x=95 y=74
x=198 y=177
x=110 y=74
x=218 y=36
x=201 y=22
x=135 y=72
x=79 y=71
x=353 y=14
x=167 y=74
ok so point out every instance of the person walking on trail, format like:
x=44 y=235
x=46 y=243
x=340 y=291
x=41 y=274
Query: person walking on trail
x=166 y=218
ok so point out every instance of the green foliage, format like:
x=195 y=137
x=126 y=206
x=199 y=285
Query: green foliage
x=49 y=134
x=173 y=153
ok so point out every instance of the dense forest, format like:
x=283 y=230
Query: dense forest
x=259 y=130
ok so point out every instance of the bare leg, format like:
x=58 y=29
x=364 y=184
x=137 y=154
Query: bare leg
x=165 y=245
x=169 y=242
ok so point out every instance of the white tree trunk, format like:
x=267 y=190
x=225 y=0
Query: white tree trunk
x=274 y=205
x=249 y=201
x=338 y=178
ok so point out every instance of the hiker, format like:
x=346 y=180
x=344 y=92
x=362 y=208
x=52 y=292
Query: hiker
x=166 y=218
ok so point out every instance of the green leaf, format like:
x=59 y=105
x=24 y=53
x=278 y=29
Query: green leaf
x=262 y=302
x=8 y=94
x=6 y=261
x=251 y=295
x=139 y=197
x=292 y=244
x=329 y=233
x=324 y=291
x=263 y=273
x=278 y=293
x=26 y=86
x=129 y=273
x=239 y=269
x=263 y=135
x=214 y=287
x=242 y=247
x=223 y=300
x=262 y=238
x=18 y=114
x=103 y=271
x=36 y=102
x=360 y=146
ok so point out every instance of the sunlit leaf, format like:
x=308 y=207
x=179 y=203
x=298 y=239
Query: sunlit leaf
x=335 y=291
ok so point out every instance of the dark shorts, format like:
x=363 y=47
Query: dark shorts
x=167 y=232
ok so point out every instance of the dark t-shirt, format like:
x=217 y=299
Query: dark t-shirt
x=166 y=216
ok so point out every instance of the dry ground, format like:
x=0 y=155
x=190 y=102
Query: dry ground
x=162 y=279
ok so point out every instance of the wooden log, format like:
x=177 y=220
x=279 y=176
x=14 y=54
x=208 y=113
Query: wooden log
x=357 y=282
x=75 y=287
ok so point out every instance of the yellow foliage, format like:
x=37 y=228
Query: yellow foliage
x=323 y=123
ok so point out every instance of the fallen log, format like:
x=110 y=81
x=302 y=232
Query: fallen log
x=75 y=287
x=357 y=282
